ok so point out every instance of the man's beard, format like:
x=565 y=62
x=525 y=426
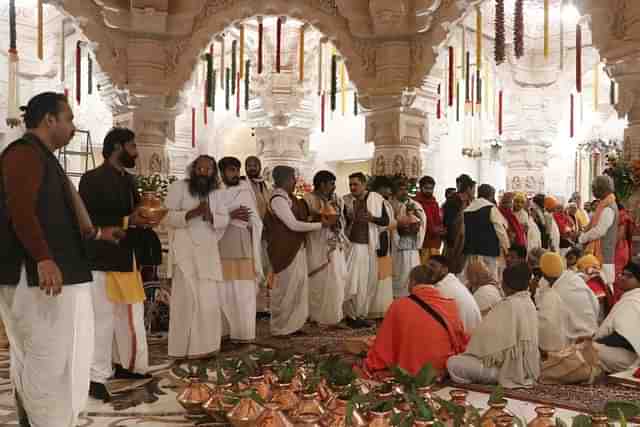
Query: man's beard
x=201 y=186
x=252 y=174
x=127 y=161
x=231 y=182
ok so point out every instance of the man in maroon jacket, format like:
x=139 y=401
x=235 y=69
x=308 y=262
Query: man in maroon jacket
x=433 y=236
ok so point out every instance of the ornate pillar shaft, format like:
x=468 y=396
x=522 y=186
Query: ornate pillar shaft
x=287 y=147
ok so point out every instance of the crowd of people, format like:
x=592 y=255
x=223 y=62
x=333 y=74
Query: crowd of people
x=513 y=292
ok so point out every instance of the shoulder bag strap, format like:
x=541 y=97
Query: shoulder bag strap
x=426 y=307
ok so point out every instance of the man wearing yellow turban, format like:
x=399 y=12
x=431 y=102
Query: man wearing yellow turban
x=589 y=268
x=550 y=204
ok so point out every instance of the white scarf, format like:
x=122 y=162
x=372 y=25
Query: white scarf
x=624 y=319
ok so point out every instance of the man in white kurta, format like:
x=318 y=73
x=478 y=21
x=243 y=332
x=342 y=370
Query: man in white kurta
x=450 y=287
x=406 y=239
x=366 y=216
x=196 y=220
x=567 y=308
x=240 y=253
x=286 y=230
x=326 y=253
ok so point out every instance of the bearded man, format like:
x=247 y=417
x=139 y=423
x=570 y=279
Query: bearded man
x=326 y=253
x=435 y=228
x=111 y=197
x=196 y=220
x=240 y=253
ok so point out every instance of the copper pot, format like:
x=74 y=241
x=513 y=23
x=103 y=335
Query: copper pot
x=309 y=421
x=151 y=207
x=496 y=409
x=285 y=397
x=458 y=397
x=272 y=416
x=245 y=413
x=379 y=419
x=216 y=402
x=338 y=415
x=427 y=394
x=505 y=421
x=260 y=385
x=310 y=404
x=544 y=417
x=194 y=395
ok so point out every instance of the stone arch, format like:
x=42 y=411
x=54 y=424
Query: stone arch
x=359 y=55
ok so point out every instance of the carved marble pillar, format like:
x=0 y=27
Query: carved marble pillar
x=398 y=130
x=287 y=147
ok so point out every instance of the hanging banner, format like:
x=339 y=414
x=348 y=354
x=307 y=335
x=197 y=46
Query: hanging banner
x=89 y=74
x=238 y=96
x=334 y=80
x=451 y=75
x=227 y=87
x=518 y=30
x=193 y=127
x=355 y=103
x=500 y=112
x=242 y=51
x=546 y=29
x=78 y=71
x=247 y=81
x=572 y=117
x=278 y=43
x=500 y=33
x=343 y=88
x=301 y=54
x=478 y=37
x=234 y=65
x=320 y=65
x=222 y=67
x=578 y=58
x=40 y=30
x=260 y=38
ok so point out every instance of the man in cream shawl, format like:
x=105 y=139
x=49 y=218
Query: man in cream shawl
x=196 y=220
x=567 y=308
x=618 y=338
x=504 y=347
x=240 y=254
x=366 y=216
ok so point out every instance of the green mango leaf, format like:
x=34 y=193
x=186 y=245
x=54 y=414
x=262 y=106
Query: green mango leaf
x=497 y=396
x=581 y=421
x=560 y=422
x=630 y=409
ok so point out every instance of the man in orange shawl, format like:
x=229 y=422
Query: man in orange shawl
x=422 y=328
x=515 y=230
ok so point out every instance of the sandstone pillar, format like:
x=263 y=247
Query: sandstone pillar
x=287 y=147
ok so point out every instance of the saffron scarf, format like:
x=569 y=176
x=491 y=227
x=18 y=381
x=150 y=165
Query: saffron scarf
x=595 y=247
x=515 y=227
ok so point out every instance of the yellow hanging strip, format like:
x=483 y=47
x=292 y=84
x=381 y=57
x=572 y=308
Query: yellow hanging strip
x=596 y=87
x=463 y=53
x=241 y=51
x=546 y=29
x=343 y=86
x=40 y=30
x=301 y=52
x=478 y=38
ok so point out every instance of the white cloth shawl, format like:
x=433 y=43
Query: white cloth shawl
x=624 y=319
x=423 y=224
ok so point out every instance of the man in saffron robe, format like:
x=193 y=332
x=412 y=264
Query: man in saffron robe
x=516 y=230
x=435 y=229
x=423 y=317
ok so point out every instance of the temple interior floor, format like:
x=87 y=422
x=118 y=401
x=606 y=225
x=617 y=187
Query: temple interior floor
x=154 y=404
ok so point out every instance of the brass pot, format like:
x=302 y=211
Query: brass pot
x=245 y=413
x=272 y=416
x=151 y=207
x=310 y=404
x=459 y=398
x=505 y=421
x=379 y=419
x=285 y=398
x=427 y=394
x=194 y=395
x=261 y=387
x=216 y=402
x=325 y=394
x=495 y=410
x=544 y=417
x=309 y=421
x=337 y=416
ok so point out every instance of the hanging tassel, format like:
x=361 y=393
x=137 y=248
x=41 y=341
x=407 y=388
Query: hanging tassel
x=471 y=103
x=578 y=58
x=596 y=87
x=438 y=106
x=210 y=80
x=546 y=29
x=204 y=104
x=500 y=107
x=320 y=66
x=451 y=75
x=89 y=74
x=518 y=30
x=334 y=80
x=242 y=51
x=562 y=35
x=193 y=127
x=463 y=52
x=457 y=101
x=238 y=96
x=278 y=43
x=13 y=93
x=500 y=33
x=478 y=37
x=478 y=89
x=223 y=52
x=467 y=81
x=214 y=86
x=62 y=52
x=234 y=65
x=355 y=103
x=247 y=81
x=78 y=70
x=40 y=30
x=571 y=119
x=301 y=53
x=612 y=93
x=227 y=87
x=260 y=37
x=322 y=111
x=343 y=88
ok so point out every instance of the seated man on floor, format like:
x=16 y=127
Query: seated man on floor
x=421 y=328
x=618 y=338
x=504 y=347
x=590 y=269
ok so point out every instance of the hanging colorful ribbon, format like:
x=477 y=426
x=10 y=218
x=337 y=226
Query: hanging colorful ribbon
x=40 y=30
x=343 y=87
x=500 y=33
x=301 y=53
x=234 y=65
x=612 y=93
x=238 y=96
x=89 y=74
x=467 y=80
x=210 y=81
x=478 y=37
x=278 y=43
x=204 y=104
x=355 y=103
x=78 y=70
x=260 y=38
x=227 y=84
x=247 y=81
x=241 y=59
x=193 y=127
x=13 y=97
x=546 y=29
x=213 y=90
x=500 y=112
x=223 y=78
x=518 y=29
x=572 y=115
x=471 y=101
x=438 y=106
x=320 y=65
x=478 y=89
x=322 y=111
x=578 y=58
x=457 y=101
x=62 y=52
x=451 y=75
x=334 y=80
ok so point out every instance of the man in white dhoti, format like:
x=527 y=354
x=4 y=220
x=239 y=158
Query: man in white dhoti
x=367 y=216
x=534 y=238
x=412 y=226
x=241 y=254
x=326 y=253
x=285 y=230
x=504 y=347
x=617 y=341
x=450 y=287
x=196 y=221
x=42 y=225
x=567 y=308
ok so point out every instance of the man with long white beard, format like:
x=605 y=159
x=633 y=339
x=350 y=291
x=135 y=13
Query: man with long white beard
x=240 y=253
x=196 y=220
x=326 y=253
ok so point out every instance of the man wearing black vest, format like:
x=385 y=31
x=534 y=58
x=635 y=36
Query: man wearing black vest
x=42 y=227
x=110 y=195
x=485 y=233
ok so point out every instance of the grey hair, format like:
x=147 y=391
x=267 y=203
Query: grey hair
x=282 y=173
x=603 y=183
x=535 y=255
